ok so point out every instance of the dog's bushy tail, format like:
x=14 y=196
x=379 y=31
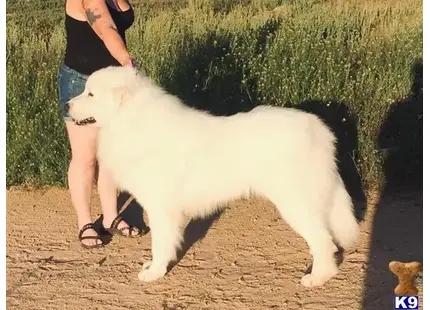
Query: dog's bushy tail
x=342 y=221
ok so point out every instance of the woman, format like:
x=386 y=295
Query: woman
x=95 y=39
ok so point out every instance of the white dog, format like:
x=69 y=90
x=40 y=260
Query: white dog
x=177 y=162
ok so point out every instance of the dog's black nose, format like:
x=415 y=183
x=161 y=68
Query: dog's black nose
x=66 y=107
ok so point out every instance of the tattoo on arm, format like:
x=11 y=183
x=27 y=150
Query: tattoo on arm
x=91 y=16
x=97 y=9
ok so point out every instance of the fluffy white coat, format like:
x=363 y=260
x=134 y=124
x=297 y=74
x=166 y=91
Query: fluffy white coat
x=177 y=162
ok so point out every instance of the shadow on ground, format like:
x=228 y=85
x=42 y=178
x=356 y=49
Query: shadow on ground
x=132 y=213
x=398 y=221
x=195 y=231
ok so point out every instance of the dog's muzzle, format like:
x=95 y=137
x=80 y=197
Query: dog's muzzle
x=86 y=121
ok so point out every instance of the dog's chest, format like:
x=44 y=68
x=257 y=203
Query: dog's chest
x=127 y=156
x=114 y=153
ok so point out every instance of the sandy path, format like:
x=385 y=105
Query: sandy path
x=229 y=268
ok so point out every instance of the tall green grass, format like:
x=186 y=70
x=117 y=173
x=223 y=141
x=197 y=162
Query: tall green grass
x=358 y=54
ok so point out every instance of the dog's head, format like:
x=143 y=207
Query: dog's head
x=106 y=92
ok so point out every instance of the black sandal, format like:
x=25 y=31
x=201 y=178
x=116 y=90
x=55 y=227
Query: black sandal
x=84 y=228
x=114 y=230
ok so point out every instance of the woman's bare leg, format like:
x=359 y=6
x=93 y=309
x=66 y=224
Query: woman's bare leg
x=81 y=174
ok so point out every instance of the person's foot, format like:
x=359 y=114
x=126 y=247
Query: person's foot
x=118 y=226
x=88 y=237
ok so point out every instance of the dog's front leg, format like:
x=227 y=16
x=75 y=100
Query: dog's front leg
x=166 y=236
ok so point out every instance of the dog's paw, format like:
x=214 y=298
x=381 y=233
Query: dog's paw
x=311 y=280
x=149 y=273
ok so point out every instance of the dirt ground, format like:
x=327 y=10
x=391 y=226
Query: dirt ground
x=248 y=259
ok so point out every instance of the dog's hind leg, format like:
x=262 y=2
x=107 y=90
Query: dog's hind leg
x=166 y=235
x=322 y=249
x=308 y=222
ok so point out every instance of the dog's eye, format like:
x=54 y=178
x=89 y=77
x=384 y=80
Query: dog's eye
x=91 y=94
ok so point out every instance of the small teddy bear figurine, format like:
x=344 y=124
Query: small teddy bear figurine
x=406 y=273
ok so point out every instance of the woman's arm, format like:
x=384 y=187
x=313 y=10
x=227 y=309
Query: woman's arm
x=100 y=20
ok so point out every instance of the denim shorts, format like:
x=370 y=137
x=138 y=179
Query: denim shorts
x=70 y=84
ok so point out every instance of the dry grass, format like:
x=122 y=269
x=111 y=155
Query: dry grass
x=355 y=54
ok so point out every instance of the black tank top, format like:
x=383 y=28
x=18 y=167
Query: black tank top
x=85 y=51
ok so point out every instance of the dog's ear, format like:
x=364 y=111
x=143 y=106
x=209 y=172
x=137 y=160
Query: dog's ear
x=122 y=95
